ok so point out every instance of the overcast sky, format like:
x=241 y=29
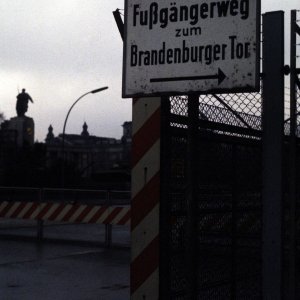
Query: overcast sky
x=60 y=49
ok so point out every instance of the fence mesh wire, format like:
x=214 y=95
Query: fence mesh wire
x=229 y=204
x=228 y=213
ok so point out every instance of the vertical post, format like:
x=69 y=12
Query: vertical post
x=273 y=118
x=145 y=204
x=165 y=205
x=40 y=230
x=234 y=222
x=293 y=161
x=40 y=223
x=145 y=194
x=191 y=195
x=108 y=235
x=108 y=227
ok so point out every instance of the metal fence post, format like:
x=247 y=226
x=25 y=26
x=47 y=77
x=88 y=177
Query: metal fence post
x=293 y=160
x=273 y=121
x=191 y=196
x=165 y=226
x=108 y=235
x=40 y=223
x=108 y=227
x=234 y=221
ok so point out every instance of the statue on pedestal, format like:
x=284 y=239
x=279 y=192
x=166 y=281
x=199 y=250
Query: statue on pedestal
x=22 y=103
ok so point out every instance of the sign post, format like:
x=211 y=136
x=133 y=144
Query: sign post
x=186 y=47
x=178 y=48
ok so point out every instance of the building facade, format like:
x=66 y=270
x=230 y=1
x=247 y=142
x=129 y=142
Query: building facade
x=94 y=158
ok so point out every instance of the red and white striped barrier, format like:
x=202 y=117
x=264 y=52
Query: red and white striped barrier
x=145 y=199
x=63 y=212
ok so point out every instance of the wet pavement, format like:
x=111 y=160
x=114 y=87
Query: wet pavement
x=71 y=263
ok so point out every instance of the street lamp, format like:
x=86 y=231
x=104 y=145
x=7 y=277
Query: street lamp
x=64 y=130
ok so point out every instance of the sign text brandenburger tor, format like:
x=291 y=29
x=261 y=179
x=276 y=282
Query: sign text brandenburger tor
x=180 y=47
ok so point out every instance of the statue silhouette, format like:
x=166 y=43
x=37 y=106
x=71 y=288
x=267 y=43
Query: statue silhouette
x=22 y=103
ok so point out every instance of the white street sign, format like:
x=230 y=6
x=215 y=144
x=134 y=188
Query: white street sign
x=186 y=46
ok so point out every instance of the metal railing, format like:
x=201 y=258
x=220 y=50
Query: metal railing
x=108 y=197
x=16 y=202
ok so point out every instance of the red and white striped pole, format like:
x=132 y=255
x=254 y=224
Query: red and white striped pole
x=146 y=130
x=146 y=145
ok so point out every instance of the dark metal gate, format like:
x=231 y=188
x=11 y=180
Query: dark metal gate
x=211 y=248
x=230 y=217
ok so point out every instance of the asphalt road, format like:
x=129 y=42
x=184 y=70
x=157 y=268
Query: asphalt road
x=59 y=268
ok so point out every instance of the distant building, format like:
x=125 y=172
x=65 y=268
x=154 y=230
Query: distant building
x=93 y=156
x=97 y=162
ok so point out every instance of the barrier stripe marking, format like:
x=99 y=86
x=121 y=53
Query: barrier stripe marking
x=102 y=217
x=77 y=213
x=119 y=216
x=83 y=214
x=43 y=211
x=2 y=205
x=25 y=210
x=6 y=209
x=68 y=215
x=152 y=127
x=89 y=216
x=112 y=215
x=152 y=293
x=31 y=210
x=149 y=162
x=12 y=209
x=37 y=211
x=21 y=206
x=145 y=201
x=98 y=214
x=125 y=218
x=142 y=111
x=139 y=275
x=55 y=212
x=147 y=230
x=144 y=267
x=65 y=210
x=50 y=211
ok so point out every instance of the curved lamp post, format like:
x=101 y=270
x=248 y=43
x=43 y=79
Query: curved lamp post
x=64 y=130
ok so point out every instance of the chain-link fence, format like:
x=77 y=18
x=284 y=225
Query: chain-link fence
x=226 y=220
x=228 y=210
